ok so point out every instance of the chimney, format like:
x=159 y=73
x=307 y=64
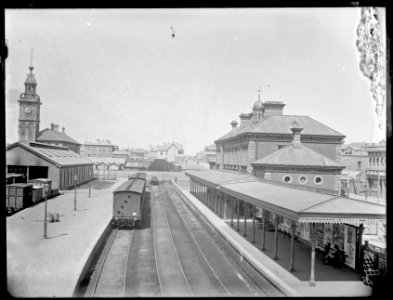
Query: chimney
x=54 y=127
x=233 y=124
x=296 y=129
x=245 y=119
x=63 y=129
x=273 y=108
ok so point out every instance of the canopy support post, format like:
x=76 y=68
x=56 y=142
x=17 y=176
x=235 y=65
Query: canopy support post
x=313 y=241
x=245 y=210
x=276 y=220
x=293 y=230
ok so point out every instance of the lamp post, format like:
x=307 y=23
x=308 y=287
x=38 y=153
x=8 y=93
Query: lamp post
x=89 y=183
x=75 y=179
x=45 y=220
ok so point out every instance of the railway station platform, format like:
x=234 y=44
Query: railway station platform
x=51 y=267
x=332 y=283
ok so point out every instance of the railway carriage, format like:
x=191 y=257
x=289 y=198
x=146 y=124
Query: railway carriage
x=128 y=201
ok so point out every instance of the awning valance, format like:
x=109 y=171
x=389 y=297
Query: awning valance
x=338 y=220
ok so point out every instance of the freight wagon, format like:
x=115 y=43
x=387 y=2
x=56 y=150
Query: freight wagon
x=18 y=196
x=128 y=201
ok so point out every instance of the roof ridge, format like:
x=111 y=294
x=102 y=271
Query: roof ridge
x=326 y=126
x=320 y=203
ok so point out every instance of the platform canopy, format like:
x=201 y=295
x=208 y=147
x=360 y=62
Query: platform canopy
x=295 y=203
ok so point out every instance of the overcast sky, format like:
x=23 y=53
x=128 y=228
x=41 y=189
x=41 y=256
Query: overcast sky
x=120 y=75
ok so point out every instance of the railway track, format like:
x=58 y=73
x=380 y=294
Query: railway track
x=108 y=279
x=171 y=254
x=200 y=233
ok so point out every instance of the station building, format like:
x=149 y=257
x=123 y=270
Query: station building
x=285 y=171
x=265 y=130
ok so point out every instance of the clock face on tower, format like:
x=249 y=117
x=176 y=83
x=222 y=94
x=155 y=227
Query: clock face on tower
x=27 y=109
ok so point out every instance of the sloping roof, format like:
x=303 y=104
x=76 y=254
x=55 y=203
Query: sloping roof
x=350 y=174
x=354 y=145
x=165 y=147
x=59 y=156
x=296 y=203
x=56 y=136
x=107 y=160
x=297 y=156
x=120 y=152
x=282 y=125
x=216 y=177
x=133 y=185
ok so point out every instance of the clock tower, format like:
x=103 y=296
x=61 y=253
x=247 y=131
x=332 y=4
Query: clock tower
x=29 y=110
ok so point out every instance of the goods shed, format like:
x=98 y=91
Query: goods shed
x=39 y=160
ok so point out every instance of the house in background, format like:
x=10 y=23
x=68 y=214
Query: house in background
x=208 y=155
x=167 y=151
x=354 y=156
x=53 y=136
x=99 y=148
x=376 y=172
x=121 y=154
x=138 y=153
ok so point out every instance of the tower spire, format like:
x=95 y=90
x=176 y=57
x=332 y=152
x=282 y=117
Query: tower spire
x=31 y=61
x=259 y=93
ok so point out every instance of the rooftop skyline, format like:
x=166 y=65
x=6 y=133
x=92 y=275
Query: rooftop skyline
x=143 y=77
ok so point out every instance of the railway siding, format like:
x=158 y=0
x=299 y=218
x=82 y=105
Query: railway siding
x=112 y=277
x=141 y=277
x=172 y=279
x=200 y=276
x=229 y=276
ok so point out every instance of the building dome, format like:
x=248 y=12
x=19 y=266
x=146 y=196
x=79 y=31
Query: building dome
x=258 y=105
x=30 y=77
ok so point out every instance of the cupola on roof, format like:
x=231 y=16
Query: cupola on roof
x=258 y=105
x=30 y=77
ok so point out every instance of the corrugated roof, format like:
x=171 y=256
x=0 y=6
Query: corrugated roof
x=60 y=156
x=282 y=125
x=290 y=201
x=218 y=177
x=297 y=156
x=52 y=135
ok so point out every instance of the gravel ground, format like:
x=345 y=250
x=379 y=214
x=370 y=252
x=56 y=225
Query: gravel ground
x=38 y=267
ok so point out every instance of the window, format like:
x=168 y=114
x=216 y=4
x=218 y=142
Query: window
x=318 y=180
x=121 y=206
x=287 y=179
x=303 y=179
x=118 y=212
x=129 y=196
x=125 y=201
x=359 y=164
